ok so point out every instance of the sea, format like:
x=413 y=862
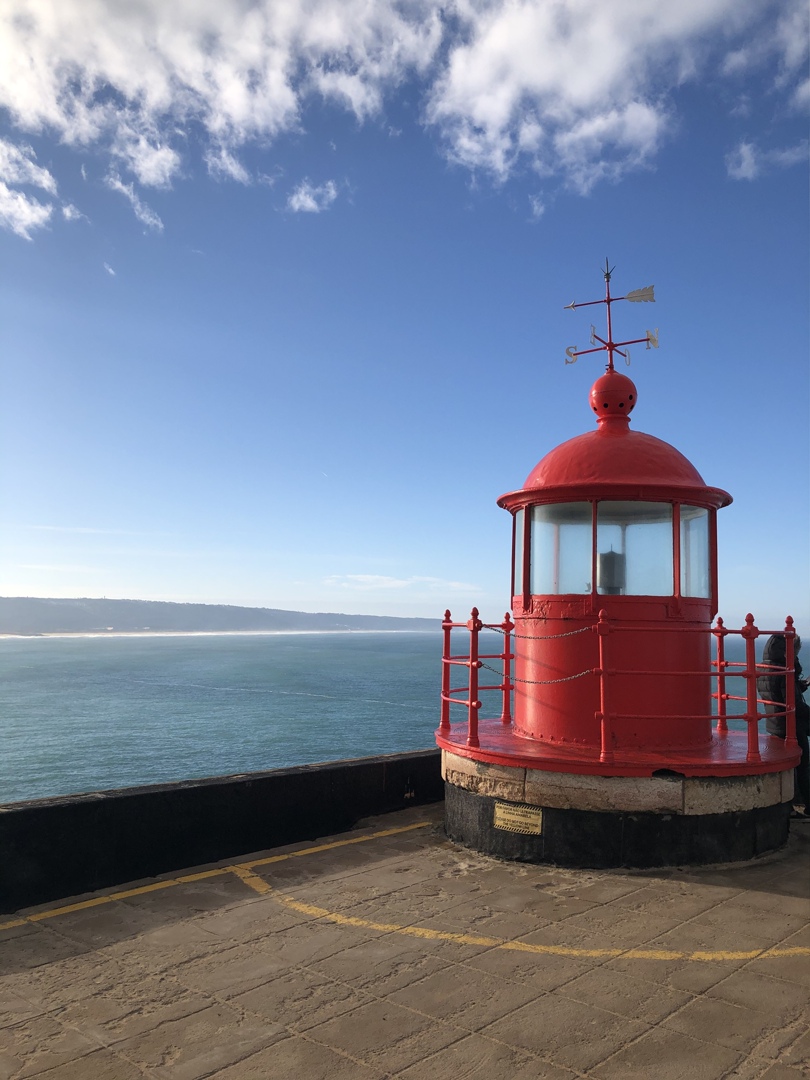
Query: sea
x=84 y=713
x=90 y=713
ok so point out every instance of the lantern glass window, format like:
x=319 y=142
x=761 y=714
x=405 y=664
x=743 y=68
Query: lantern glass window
x=561 y=541
x=517 y=584
x=634 y=549
x=695 y=577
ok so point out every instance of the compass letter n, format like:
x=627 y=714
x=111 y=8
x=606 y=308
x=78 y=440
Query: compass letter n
x=652 y=338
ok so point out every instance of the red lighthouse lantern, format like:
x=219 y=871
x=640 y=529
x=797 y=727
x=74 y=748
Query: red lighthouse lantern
x=607 y=751
x=616 y=521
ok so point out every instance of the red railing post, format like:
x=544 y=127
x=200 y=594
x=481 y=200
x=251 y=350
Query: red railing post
x=720 y=635
x=473 y=704
x=506 y=686
x=790 y=686
x=750 y=634
x=447 y=626
x=603 y=716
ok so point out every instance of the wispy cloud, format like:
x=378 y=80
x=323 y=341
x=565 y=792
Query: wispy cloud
x=537 y=207
x=109 y=269
x=143 y=213
x=17 y=166
x=20 y=212
x=308 y=198
x=72 y=213
x=223 y=165
x=748 y=162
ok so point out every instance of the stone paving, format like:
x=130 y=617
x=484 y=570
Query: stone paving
x=389 y=952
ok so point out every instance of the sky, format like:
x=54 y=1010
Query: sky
x=283 y=284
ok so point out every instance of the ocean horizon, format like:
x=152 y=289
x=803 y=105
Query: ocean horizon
x=96 y=711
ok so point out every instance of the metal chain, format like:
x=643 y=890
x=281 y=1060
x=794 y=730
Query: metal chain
x=539 y=682
x=538 y=637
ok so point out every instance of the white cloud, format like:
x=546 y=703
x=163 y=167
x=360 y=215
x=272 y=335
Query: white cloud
x=577 y=89
x=153 y=163
x=538 y=207
x=801 y=96
x=143 y=213
x=111 y=272
x=20 y=212
x=222 y=164
x=747 y=162
x=742 y=163
x=791 y=37
x=17 y=166
x=72 y=213
x=791 y=155
x=310 y=199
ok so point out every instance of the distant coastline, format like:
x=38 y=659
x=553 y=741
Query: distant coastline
x=28 y=617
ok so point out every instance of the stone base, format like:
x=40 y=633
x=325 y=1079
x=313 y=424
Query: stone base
x=666 y=792
x=599 y=839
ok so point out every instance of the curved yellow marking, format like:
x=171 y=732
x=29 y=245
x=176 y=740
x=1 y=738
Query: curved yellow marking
x=523 y=946
x=202 y=875
x=256 y=883
x=244 y=871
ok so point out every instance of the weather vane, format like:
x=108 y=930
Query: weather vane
x=610 y=346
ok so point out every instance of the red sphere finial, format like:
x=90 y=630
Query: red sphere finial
x=612 y=396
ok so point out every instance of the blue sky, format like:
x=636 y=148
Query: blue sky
x=281 y=310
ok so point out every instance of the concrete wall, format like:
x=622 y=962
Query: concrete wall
x=54 y=848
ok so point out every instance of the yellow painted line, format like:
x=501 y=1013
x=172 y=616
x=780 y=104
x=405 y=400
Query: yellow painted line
x=255 y=882
x=523 y=946
x=202 y=875
x=244 y=871
x=336 y=844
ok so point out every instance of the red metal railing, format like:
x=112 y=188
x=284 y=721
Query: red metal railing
x=604 y=627
x=474 y=662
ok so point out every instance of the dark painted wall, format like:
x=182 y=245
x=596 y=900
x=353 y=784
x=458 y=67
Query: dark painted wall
x=54 y=848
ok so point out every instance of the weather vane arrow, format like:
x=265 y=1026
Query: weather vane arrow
x=635 y=296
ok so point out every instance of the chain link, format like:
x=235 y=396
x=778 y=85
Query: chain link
x=539 y=682
x=538 y=637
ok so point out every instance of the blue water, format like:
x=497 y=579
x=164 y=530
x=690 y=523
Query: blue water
x=92 y=713
x=88 y=714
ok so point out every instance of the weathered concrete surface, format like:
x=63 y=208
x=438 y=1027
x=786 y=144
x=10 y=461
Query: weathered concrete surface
x=392 y=953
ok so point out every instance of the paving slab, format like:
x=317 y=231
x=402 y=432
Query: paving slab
x=388 y=952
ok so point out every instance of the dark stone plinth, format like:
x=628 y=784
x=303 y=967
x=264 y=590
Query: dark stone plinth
x=588 y=839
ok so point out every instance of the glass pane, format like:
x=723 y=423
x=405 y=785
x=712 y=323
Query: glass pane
x=634 y=549
x=561 y=548
x=695 y=551
x=517 y=584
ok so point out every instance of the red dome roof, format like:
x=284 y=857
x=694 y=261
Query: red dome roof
x=613 y=461
x=614 y=455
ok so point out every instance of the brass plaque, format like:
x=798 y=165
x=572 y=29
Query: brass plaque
x=519 y=819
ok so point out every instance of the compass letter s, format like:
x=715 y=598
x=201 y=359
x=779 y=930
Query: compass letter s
x=570 y=351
